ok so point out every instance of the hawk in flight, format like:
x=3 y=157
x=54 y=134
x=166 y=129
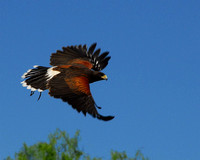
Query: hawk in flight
x=73 y=69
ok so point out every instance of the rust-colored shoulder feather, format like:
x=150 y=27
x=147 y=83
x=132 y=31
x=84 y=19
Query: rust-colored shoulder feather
x=79 y=84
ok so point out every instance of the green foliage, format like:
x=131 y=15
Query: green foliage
x=123 y=156
x=61 y=147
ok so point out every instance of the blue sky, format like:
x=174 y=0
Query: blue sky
x=153 y=88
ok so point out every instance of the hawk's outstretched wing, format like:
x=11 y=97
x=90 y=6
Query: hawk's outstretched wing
x=75 y=54
x=76 y=92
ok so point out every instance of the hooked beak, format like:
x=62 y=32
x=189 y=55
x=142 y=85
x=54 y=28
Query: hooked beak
x=104 y=77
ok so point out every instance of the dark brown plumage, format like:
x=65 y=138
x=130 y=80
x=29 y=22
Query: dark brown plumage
x=74 y=68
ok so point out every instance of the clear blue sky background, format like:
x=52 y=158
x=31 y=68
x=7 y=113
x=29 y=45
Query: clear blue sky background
x=153 y=87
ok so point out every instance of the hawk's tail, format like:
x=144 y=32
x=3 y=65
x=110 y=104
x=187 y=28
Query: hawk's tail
x=36 y=79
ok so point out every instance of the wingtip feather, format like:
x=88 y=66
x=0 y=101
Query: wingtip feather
x=105 y=118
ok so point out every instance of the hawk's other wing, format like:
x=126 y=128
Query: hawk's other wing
x=78 y=54
x=76 y=92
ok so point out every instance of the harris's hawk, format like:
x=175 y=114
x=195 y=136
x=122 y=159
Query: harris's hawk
x=74 y=68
